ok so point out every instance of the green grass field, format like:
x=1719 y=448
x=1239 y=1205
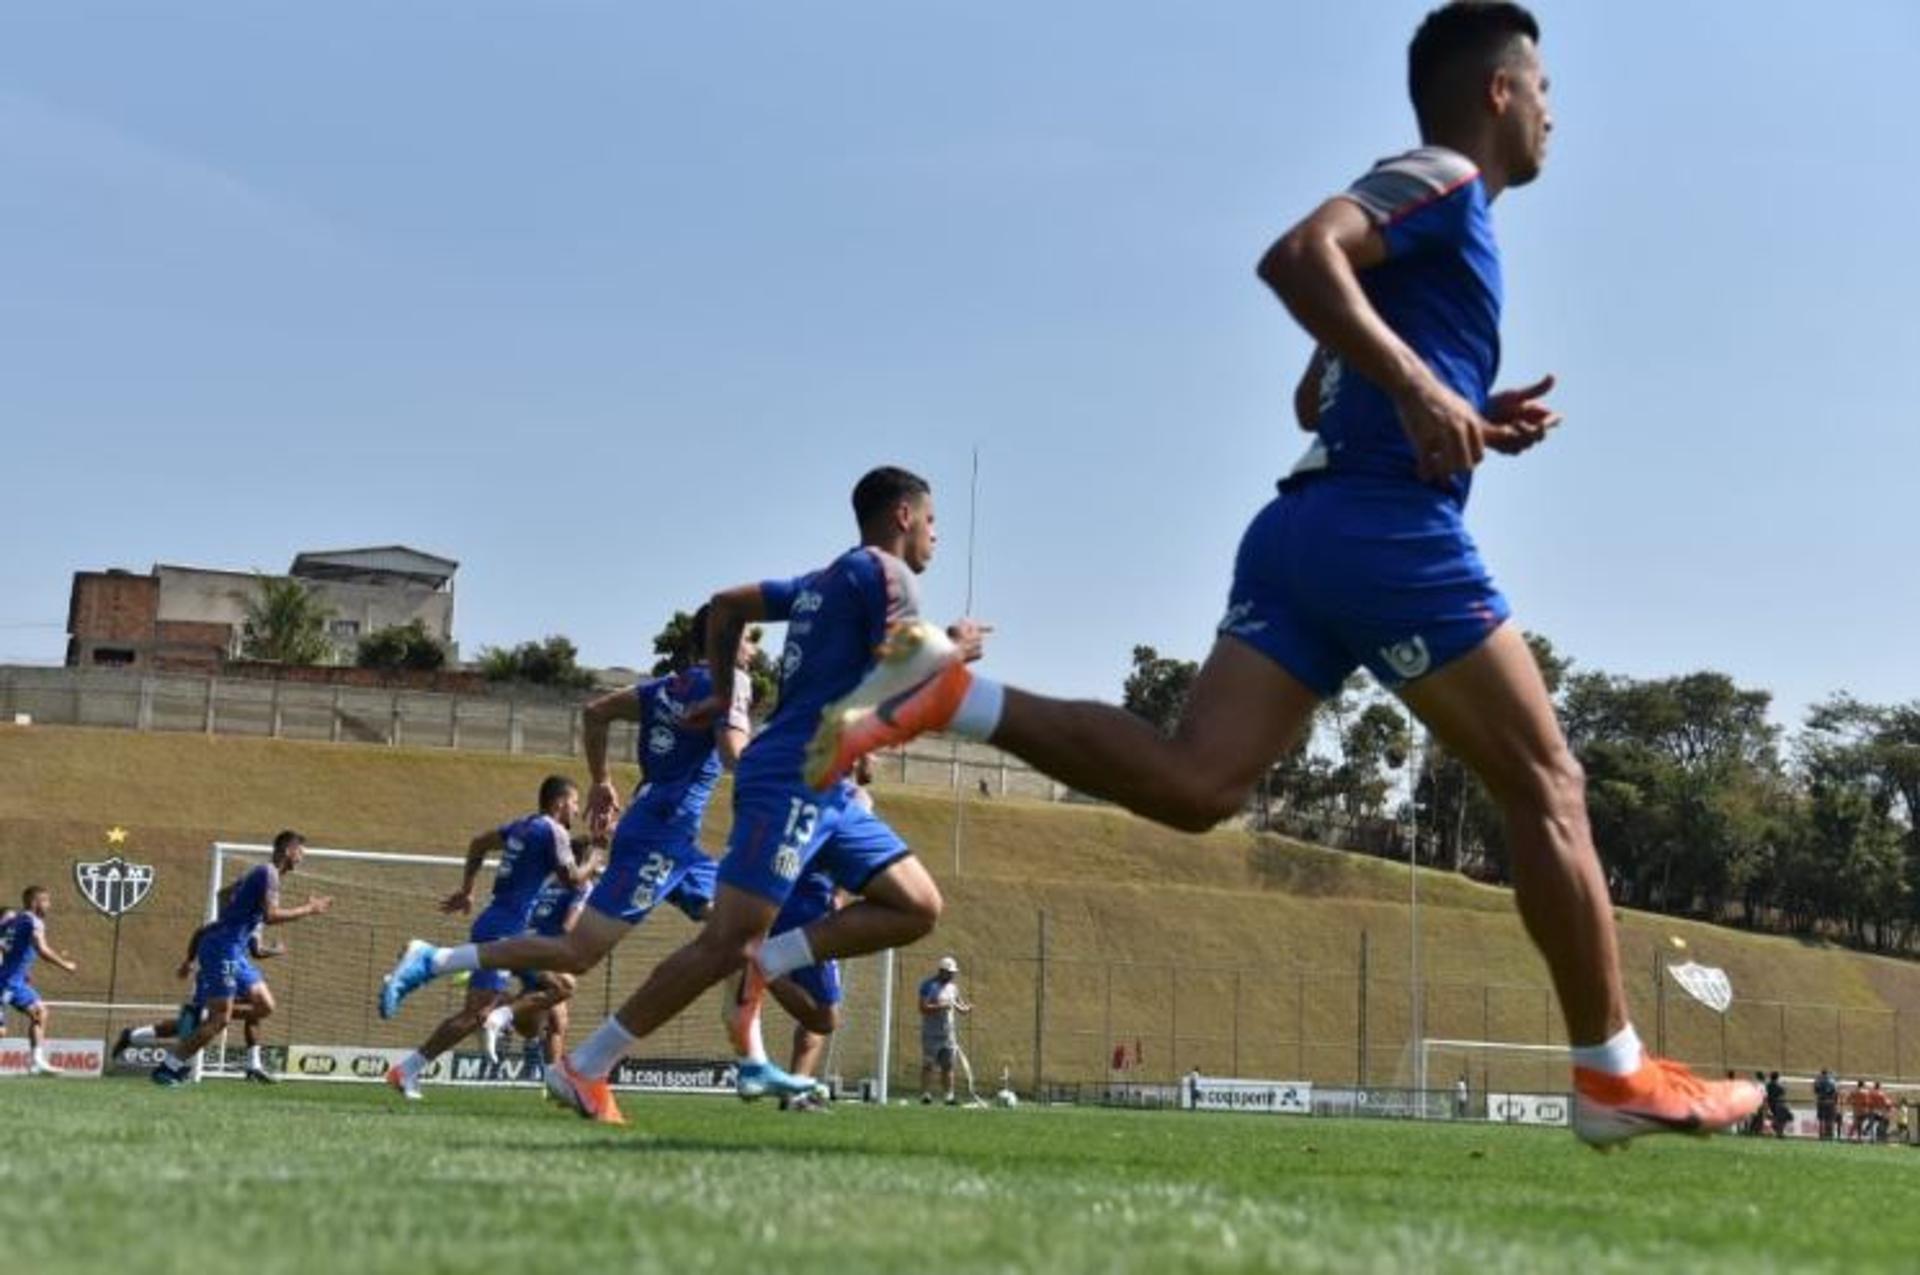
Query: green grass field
x=117 y=1176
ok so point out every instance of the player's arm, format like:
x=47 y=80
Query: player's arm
x=603 y=799
x=729 y=613
x=193 y=950
x=478 y=849
x=1314 y=269
x=265 y=951
x=1306 y=395
x=46 y=951
x=730 y=736
x=572 y=868
x=315 y=906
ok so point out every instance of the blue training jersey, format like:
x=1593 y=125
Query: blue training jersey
x=20 y=931
x=1439 y=289
x=246 y=908
x=678 y=765
x=836 y=618
x=532 y=848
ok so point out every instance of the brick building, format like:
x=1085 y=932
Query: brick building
x=178 y=617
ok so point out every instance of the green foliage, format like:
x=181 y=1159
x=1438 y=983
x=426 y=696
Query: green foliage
x=286 y=623
x=1157 y=688
x=674 y=647
x=554 y=662
x=401 y=647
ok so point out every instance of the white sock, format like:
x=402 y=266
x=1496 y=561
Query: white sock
x=785 y=952
x=499 y=1017
x=253 y=1058
x=142 y=1035
x=979 y=713
x=412 y=1065
x=756 y=1044
x=1619 y=1055
x=464 y=957
x=595 y=1056
x=174 y=1061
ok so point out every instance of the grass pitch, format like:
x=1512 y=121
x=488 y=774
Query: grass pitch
x=116 y=1176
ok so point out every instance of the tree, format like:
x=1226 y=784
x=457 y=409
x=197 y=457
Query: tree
x=675 y=647
x=1157 y=688
x=285 y=623
x=553 y=662
x=401 y=646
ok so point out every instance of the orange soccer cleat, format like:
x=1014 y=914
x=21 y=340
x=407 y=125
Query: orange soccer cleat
x=916 y=687
x=1661 y=1097
x=592 y=1099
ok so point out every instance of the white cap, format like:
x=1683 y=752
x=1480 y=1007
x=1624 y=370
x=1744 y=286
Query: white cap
x=949 y=966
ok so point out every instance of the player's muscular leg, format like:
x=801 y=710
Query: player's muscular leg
x=809 y=1013
x=593 y=935
x=733 y=931
x=898 y=906
x=1243 y=713
x=260 y=1004
x=1491 y=710
x=462 y=1023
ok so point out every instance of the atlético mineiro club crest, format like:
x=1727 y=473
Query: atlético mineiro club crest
x=114 y=886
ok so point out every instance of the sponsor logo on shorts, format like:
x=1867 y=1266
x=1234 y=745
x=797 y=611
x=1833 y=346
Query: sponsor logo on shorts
x=1408 y=659
x=786 y=864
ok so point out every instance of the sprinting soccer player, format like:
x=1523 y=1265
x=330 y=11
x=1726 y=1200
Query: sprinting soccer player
x=252 y=901
x=254 y=1004
x=532 y=850
x=539 y=1013
x=26 y=935
x=835 y=619
x=940 y=1005
x=656 y=856
x=1364 y=559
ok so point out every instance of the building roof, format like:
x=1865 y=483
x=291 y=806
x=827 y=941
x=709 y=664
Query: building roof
x=376 y=560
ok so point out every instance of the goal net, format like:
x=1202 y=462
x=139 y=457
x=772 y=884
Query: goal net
x=326 y=986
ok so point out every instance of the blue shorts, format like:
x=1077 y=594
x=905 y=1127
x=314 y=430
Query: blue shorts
x=496 y=922
x=221 y=966
x=649 y=864
x=781 y=830
x=1341 y=571
x=19 y=993
x=811 y=899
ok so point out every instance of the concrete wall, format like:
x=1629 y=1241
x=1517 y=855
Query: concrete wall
x=342 y=713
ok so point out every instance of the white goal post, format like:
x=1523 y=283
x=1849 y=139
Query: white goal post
x=326 y=991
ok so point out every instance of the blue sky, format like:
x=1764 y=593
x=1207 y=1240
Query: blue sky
x=613 y=302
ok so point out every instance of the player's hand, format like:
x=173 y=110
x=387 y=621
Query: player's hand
x=1518 y=419
x=1448 y=436
x=319 y=904
x=970 y=636
x=186 y=968
x=603 y=806
x=459 y=902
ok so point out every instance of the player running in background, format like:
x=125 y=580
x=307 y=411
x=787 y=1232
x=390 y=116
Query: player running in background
x=656 y=856
x=252 y=901
x=254 y=1004
x=836 y=617
x=533 y=850
x=539 y=1013
x=26 y=942
x=1364 y=558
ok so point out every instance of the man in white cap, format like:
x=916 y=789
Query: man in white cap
x=940 y=1000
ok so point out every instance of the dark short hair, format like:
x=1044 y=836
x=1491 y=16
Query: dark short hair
x=554 y=787
x=285 y=838
x=1465 y=35
x=881 y=489
x=26 y=895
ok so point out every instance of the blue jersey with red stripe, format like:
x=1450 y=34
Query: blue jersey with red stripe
x=836 y=618
x=1439 y=289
